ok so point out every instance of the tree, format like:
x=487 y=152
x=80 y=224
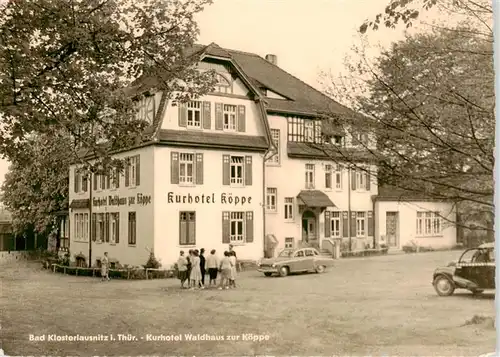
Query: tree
x=64 y=65
x=36 y=186
x=429 y=100
x=71 y=72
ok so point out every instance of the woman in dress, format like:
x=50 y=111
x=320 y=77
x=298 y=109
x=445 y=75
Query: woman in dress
x=232 y=277
x=105 y=267
x=225 y=271
x=195 y=270
x=212 y=266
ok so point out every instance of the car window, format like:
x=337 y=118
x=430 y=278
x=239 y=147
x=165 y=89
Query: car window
x=300 y=253
x=309 y=253
x=315 y=252
x=469 y=256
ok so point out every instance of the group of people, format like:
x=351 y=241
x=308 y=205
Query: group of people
x=194 y=267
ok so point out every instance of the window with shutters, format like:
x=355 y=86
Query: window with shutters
x=361 y=224
x=429 y=224
x=328 y=177
x=100 y=230
x=85 y=228
x=78 y=182
x=132 y=228
x=102 y=182
x=237 y=227
x=271 y=199
x=335 y=228
x=309 y=175
x=186 y=168
x=236 y=170
x=288 y=208
x=132 y=171
x=360 y=180
x=64 y=231
x=114 y=228
x=338 y=176
x=194 y=114
x=114 y=177
x=275 y=136
x=229 y=115
x=187 y=228
x=289 y=243
x=78 y=227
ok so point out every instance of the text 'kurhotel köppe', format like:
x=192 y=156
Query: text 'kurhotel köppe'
x=225 y=198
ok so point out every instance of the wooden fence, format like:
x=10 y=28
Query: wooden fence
x=124 y=273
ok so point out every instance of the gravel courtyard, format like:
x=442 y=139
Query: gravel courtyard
x=379 y=305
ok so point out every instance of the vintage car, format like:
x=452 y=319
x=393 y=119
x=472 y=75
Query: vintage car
x=295 y=261
x=474 y=271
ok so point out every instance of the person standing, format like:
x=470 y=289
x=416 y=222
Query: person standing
x=182 y=268
x=231 y=252
x=211 y=265
x=189 y=266
x=232 y=278
x=195 y=275
x=225 y=270
x=202 y=267
x=105 y=267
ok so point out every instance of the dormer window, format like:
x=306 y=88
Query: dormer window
x=146 y=109
x=223 y=85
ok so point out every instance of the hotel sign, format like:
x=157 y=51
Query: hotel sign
x=224 y=198
x=139 y=199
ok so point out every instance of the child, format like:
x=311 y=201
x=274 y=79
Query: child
x=212 y=267
x=195 y=270
x=232 y=260
x=105 y=267
x=182 y=268
x=225 y=269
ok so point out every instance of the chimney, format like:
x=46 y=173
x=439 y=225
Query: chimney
x=272 y=58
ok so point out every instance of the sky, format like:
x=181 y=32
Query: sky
x=306 y=36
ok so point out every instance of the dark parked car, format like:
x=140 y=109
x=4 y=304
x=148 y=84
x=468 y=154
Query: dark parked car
x=474 y=271
x=295 y=261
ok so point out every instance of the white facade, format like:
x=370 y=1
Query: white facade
x=292 y=225
x=425 y=223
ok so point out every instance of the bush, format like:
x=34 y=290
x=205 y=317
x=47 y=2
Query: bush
x=152 y=262
x=64 y=260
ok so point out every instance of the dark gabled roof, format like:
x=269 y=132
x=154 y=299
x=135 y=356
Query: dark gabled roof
x=303 y=98
x=80 y=203
x=212 y=140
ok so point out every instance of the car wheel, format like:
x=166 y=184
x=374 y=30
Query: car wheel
x=443 y=286
x=268 y=274
x=320 y=269
x=284 y=271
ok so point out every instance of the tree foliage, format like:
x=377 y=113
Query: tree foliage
x=36 y=186
x=66 y=70
x=64 y=65
x=430 y=102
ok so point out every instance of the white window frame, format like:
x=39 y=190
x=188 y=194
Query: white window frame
x=230 y=118
x=187 y=160
x=429 y=224
x=289 y=243
x=236 y=162
x=113 y=227
x=275 y=136
x=194 y=113
x=132 y=174
x=272 y=199
x=101 y=182
x=100 y=229
x=237 y=220
x=361 y=224
x=309 y=131
x=289 y=204
x=361 y=178
x=86 y=227
x=328 y=177
x=336 y=224
x=338 y=177
x=310 y=168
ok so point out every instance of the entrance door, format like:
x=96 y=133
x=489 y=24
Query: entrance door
x=309 y=227
x=392 y=228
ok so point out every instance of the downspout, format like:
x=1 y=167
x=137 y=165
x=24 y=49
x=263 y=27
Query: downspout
x=374 y=223
x=264 y=200
x=349 y=178
x=90 y=220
